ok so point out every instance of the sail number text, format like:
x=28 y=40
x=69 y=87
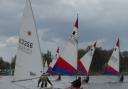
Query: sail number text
x=25 y=43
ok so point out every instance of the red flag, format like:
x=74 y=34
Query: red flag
x=118 y=44
x=58 y=50
x=94 y=45
x=76 y=23
x=75 y=30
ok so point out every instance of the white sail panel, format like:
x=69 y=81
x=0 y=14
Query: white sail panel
x=114 y=59
x=113 y=63
x=87 y=58
x=67 y=61
x=69 y=54
x=28 y=57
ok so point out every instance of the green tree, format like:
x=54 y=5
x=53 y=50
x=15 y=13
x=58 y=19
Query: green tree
x=4 y=64
x=100 y=59
x=13 y=61
x=1 y=63
x=81 y=53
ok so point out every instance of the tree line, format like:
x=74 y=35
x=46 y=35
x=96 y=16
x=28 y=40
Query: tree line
x=100 y=59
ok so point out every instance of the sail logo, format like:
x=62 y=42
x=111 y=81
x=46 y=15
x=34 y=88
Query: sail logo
x=25 y=43
x=25 y=46
x=29 y=33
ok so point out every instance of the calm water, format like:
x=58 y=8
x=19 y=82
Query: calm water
x=96 y=82
x=106 y=82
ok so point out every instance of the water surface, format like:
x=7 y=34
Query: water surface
x=96 y=82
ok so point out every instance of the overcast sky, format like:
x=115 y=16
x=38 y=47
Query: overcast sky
x=102 y=20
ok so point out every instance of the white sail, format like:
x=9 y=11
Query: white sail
x=67 y=61
x=70 y=51
x=86 y=60
x=70 y=54
x=28 y=58
x=113 y=64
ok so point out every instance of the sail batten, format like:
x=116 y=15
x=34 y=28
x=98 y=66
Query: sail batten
x=28 y=58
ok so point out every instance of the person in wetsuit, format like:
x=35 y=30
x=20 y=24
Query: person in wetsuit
x=87 y=79
x=59 y=77
x=76 y=83
x=121 y=78
x=43 y=80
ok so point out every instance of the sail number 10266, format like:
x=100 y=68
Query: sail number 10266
x=25 y=43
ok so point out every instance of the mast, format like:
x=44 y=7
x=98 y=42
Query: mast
x=75 y=35
x=37 y=35
x=77 y=43
x=118 y=43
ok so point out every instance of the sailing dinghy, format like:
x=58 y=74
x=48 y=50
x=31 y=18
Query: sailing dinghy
x=67 y=61
x=85 y=62
x=112 y=67
x=28 y=58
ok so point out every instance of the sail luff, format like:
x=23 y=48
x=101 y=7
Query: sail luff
x=118 y=45
x=76 y=25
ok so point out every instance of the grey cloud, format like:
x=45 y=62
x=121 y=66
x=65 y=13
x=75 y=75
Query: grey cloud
x=98 y=19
